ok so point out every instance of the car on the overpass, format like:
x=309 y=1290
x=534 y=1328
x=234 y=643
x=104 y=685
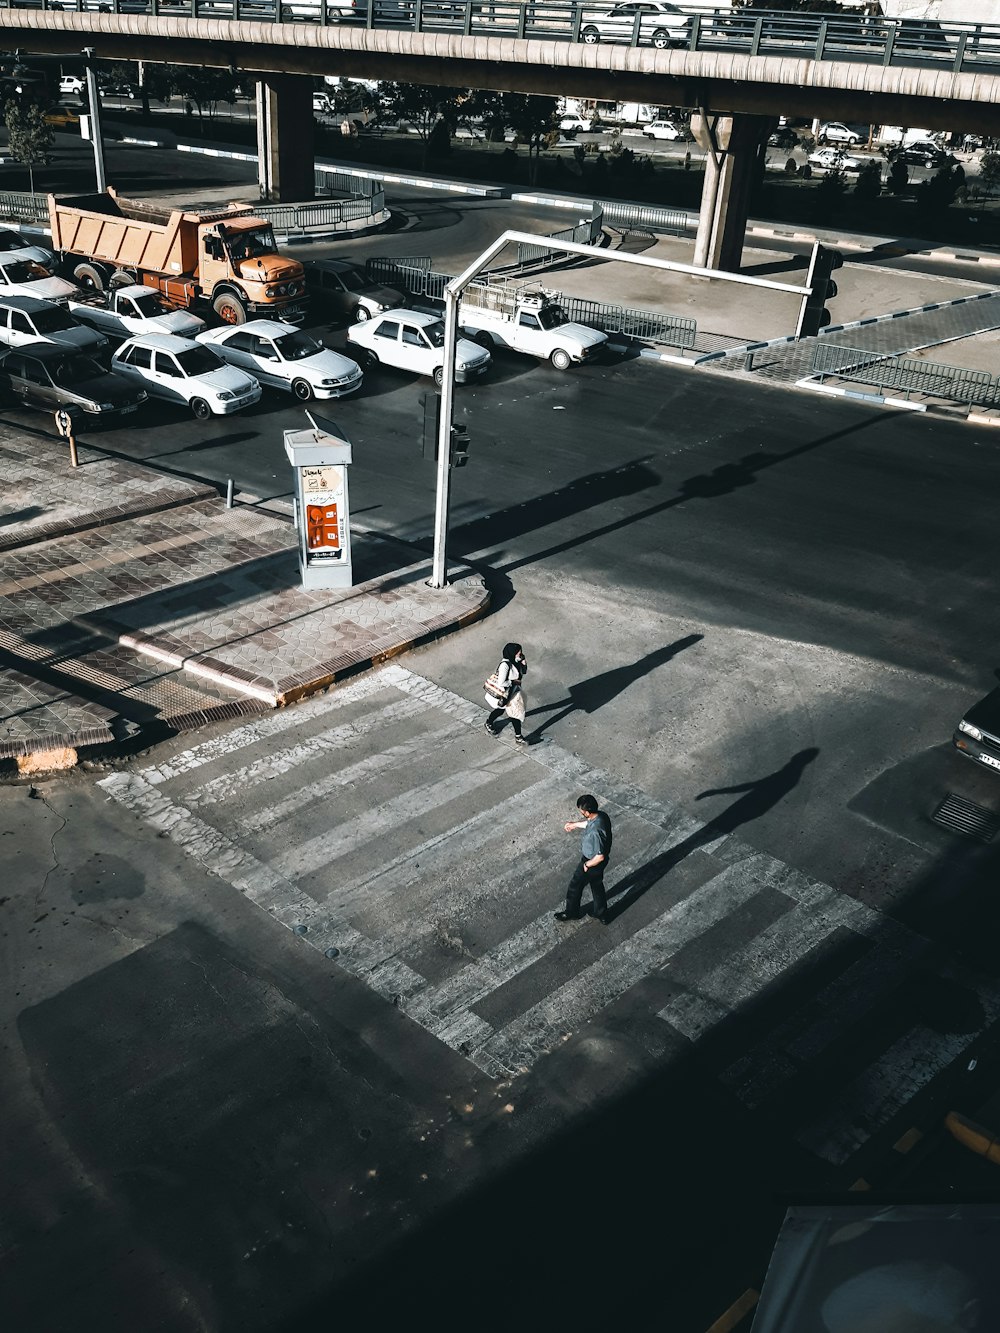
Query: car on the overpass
x=834 y=159
x=835 y=131
x=50 y=377
x=283 y=357
x=978 y=734
x=640 y=22
x=414 y=341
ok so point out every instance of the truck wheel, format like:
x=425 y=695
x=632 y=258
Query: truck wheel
x=302 y=390
x=561 y=359
x=91 y=275
x=201 y=409
x=123 y=278
x=230 y=308
x=484 y=340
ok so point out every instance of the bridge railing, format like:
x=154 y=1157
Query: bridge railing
x=24 y=207
x=853 y=37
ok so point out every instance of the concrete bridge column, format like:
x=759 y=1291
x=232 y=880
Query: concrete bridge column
x=733 y=145
x=285 y=138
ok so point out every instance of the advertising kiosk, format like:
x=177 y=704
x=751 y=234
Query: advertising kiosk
x=319 y=457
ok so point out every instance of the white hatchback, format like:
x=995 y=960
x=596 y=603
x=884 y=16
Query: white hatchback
x=281 y=356
x=24 y=277
x=183 y=371
x=414 y=341
x=662 y=129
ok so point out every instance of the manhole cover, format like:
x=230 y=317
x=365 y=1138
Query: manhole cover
x=965 y=817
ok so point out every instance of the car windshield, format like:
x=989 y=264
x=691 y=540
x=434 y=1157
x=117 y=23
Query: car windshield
x=198 y=361
x=552 y=316
x=53 y=321
x=434 y=333
x=252 y=244
x=151 y=305
x=74 y=370
x=20 y=272
x=352 y=280
x=295 y=346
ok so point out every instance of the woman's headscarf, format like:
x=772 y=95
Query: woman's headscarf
x=510 y=651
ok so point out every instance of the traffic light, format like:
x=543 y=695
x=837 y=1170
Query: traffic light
x=459 y=446
x=815 y=315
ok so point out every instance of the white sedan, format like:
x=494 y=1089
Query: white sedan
x=281 y=356
x=23 y=277
x=645 y=22
x=663 y=129
x=833 y=159
x=414 y=341
x=183 y=371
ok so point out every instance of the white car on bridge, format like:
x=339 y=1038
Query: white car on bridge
x=651 y=22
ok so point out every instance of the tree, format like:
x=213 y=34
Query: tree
x=422 y=106
x=29 y=138
x=868 y=186
x=203 y=87
x=935 y=195
x=488 y=108
x=899 y=176
x=989 y=171
x=830 y=193
x=531 y=118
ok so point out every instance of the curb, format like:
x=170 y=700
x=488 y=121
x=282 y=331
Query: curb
x=834 y=392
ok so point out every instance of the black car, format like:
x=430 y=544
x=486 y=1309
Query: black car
x=924 y=154
x=978 y=734
x=50 y=377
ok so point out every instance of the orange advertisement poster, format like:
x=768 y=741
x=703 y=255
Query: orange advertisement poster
x=323 y=497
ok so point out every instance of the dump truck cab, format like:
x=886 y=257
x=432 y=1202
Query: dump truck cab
x=240 y=266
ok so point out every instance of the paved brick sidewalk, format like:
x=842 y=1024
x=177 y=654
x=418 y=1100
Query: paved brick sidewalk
x=140 y=624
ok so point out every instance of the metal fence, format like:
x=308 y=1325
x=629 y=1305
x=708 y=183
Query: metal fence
x=323 y=213
x=24 y=207
x=646 y=325
x=858 y=38
x=647 y=217
x=329 y=181
x=588 y=231
x=905 y=375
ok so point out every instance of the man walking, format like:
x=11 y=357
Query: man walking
x=596 y=852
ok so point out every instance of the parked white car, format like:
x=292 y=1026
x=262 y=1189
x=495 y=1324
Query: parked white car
x=25 y=320
x=835 y=131
x=23 y=277
x=660 y=24
x=71 y=85
x=834 y=159
x=283 y=357
x=414 y=341
x=183 y=371
x=663 y=129
x=584 y=124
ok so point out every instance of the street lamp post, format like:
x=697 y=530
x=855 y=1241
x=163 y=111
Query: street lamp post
x=452 y=297
x=94 y=99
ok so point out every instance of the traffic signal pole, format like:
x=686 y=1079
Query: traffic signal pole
x=452 y=299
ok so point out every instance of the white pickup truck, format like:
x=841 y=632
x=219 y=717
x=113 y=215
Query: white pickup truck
x=531 y=322
x=126 y=311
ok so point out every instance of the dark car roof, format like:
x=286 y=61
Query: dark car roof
x=44 y=351
x=32 y=304
x=986 y=713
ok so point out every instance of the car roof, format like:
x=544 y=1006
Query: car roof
x=45 y=351
x=163 y=342
x=411 y=317
x=986 y=713
x=267 y=328
x=31 y=305
x=335 y=265
x=135 y=289
x=8 y=256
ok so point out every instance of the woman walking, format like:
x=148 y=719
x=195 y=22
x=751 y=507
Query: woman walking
x=509 y=675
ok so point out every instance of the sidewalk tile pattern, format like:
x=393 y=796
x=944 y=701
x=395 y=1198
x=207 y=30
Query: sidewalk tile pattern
x=43 y=497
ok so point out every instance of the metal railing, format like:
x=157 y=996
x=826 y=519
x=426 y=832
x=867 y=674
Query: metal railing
x=905 y=375
x=586 y=232
x=646 y=325
x=327 y=180
x=648 y=217
x=855 y=38
x=24 y=207
x=322 y=213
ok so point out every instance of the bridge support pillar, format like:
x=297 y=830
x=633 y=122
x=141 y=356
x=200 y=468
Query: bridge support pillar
x=285 y=142
x=733 y=145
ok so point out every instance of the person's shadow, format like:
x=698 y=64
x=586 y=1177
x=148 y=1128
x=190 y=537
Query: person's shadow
x=762 y=794
x=587 y=696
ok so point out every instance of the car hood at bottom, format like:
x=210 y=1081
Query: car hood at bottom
x=109 y=389
x=583 y=334
x=82 y=338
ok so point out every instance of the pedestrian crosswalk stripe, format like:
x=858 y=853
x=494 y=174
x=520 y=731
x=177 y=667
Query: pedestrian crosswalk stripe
x=388 y=921
x=220 y=747
x=353 y=833
x=241 y=781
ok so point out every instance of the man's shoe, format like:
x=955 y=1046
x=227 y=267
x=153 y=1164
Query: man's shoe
x=567 y=916
x=602 y=917
x=490 y=730
x=520 y=740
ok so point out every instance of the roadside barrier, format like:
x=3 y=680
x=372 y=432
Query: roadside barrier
x=906 y=375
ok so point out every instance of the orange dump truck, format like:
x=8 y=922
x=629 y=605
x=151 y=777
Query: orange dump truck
x=225 y=259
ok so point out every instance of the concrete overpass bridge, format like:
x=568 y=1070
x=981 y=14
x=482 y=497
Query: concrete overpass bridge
x=738 y=70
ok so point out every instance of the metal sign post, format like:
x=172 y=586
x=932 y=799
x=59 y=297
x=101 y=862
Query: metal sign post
x=319 y=459
x=64 y=425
